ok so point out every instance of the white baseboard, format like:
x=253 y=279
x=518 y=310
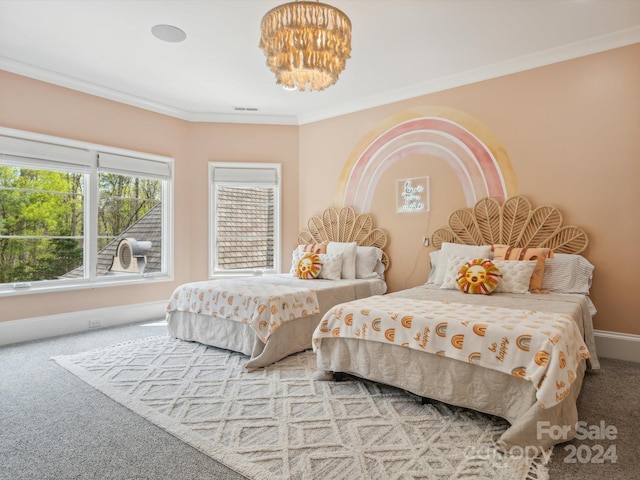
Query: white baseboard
x=621 y=346
x=17 y=331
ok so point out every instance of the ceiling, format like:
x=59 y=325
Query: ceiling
x=400 y=49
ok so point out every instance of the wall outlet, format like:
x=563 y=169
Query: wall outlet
x=425 y=241
x=95 y=323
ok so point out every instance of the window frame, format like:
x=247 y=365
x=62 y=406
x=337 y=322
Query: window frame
x=213 y=271
x=91 y=209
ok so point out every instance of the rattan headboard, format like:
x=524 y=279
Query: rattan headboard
x=515 y=223
x=345 y=225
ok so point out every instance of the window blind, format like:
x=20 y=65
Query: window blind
x=257 y=176
x=133 y=166
x=24 y=153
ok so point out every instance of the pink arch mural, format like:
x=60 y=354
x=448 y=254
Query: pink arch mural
x=482 y=173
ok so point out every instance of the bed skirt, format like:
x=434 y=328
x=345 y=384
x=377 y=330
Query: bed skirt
x=290 y=338
x=457 y=383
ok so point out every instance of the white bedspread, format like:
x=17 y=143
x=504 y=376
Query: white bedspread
x=544 y=348
x=264 y=306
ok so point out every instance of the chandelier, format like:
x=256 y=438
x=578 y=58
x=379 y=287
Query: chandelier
x=307 y=44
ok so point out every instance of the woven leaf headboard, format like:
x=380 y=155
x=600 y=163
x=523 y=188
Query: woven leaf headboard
x=345 y=225
x=515 y=223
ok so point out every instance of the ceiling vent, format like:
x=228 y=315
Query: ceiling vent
x=131 y=256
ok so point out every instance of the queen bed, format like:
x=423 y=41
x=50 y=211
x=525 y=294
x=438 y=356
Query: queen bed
x=519 y=352
x=269 y=317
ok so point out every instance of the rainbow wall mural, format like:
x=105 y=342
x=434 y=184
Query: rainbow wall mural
x=478 y=159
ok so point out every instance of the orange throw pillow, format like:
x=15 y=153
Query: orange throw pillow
x=309 y=266
x=479 y=275
x=507 y=252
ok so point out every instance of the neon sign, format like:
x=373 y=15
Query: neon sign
x=412 y=195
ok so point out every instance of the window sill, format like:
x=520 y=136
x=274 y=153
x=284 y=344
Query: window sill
x=56 y=286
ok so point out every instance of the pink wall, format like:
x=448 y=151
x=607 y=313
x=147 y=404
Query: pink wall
x=242 y=143
x=570 y=131
x=34 y=106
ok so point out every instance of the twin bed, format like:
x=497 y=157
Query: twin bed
x=520 y=356
x=272 y=316
x=515 y=354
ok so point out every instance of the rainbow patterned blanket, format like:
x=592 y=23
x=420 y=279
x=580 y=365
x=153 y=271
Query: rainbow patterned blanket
x=541 y=347
x=265 y=303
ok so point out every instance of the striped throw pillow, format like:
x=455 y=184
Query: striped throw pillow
x=507 y=252
x=314 y=247
x=567 y=273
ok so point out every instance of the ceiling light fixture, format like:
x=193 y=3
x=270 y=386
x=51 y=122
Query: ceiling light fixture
x=307 y=44
x=168 y=33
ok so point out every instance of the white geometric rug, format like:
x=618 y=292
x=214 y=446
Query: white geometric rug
x=281 y=423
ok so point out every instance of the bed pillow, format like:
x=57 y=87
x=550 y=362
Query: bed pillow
x=454 y=264
x=455 y=249
x=295 y=258
x=516 y=275
x=433 y=264
x=331 y=266
x=314 y=247
x=308 y=266
x=348 y=251
x=567 y=273
x=368 y=262
x=507 y=252
x=478 y=276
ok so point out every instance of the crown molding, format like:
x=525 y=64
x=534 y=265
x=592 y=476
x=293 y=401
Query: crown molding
x=543 y=58
x=72 y=83
x=527 y=62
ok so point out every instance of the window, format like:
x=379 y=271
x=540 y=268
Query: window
x=245 y=218
x=65 y=206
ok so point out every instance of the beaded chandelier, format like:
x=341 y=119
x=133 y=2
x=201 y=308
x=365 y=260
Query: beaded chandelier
x=307 y=44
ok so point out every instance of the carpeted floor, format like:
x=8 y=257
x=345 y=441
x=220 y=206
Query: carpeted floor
x=55 y=426
x=285 y=421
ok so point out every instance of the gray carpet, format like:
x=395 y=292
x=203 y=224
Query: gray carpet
x=55 y=426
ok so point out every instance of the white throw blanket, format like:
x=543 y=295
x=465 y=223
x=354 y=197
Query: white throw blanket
x=264 y=306
x=541 y=347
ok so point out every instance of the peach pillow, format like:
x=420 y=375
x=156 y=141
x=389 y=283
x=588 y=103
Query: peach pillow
x=314 y=247
x=507 y=252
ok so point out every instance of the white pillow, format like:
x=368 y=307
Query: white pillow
x=454 y=264
x=468 y=251
x=348 y=251
x=295 y=258
x=368 y=261
x=567 y=273
x=331 y=266
x=516 y=275
x=434 y=258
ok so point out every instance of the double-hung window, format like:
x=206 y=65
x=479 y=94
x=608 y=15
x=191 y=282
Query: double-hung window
x=244 y=226
x=65 y=206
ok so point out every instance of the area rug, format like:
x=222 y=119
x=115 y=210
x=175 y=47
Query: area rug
x=287 y=421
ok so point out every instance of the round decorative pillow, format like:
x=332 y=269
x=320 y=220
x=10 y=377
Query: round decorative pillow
x=478 y=276
x=309 y=266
